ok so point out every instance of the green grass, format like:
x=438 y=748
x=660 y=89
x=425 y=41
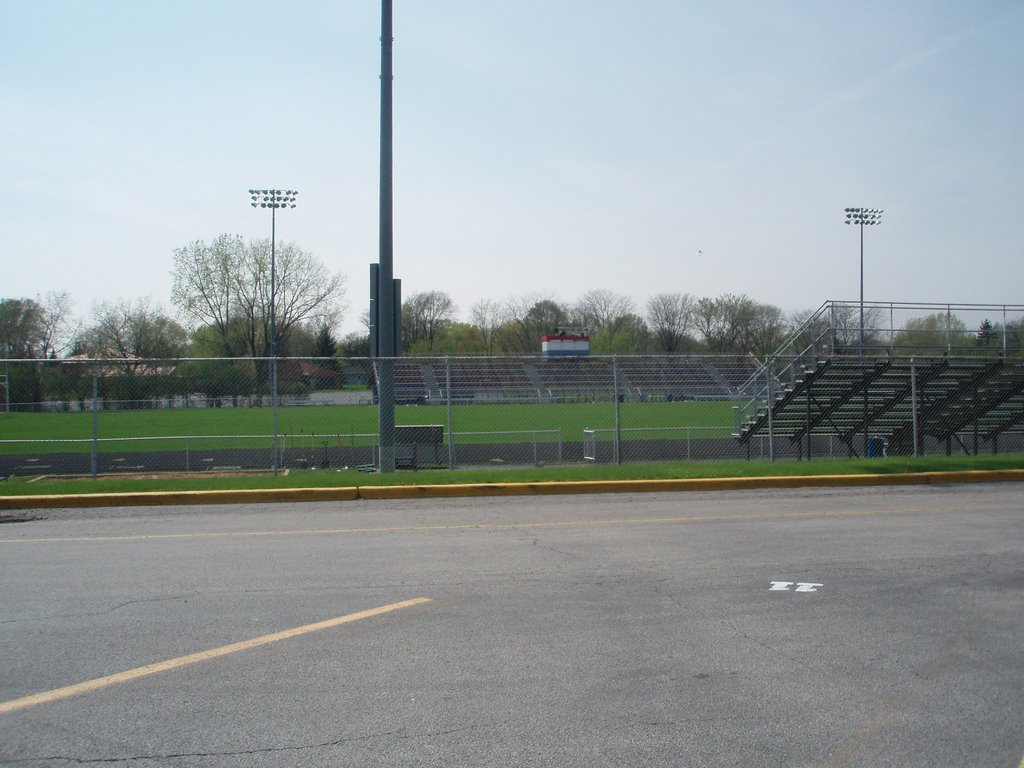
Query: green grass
x=349 y=478
x=342 y=424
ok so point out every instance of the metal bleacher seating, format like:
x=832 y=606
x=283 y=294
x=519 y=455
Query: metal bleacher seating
x=967 y=401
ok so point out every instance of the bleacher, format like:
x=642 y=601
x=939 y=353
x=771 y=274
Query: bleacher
x=410 y=386
x=670 y=378
x=576 y=378
x=687 y=378
x=847 y=398
x=531 y=379
x=484 y=379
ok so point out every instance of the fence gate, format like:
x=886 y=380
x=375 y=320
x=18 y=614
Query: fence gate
x=589 y=445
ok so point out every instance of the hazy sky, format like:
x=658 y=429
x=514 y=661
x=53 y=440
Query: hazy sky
x=541 y=146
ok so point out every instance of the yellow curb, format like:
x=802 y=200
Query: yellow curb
x=636 y=486
x=168 y=498
x=460 y=490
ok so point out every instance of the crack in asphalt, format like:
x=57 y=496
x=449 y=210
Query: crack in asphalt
x=399 y=732
x=105 y=611
x=184 y=755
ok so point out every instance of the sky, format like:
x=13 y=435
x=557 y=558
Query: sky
x=540 y=148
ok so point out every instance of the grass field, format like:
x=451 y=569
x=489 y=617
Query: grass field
x=343 y=424
x=666 y=470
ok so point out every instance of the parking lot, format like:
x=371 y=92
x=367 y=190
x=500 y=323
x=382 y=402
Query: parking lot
x=857 y=627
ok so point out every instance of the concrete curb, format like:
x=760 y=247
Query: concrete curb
x=171 y=498
x=463 y=490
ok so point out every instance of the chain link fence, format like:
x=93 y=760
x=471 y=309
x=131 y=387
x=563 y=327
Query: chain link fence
x=80 y=417
x=927 y=379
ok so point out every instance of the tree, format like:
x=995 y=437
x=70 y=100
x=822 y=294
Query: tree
x=460 y=339
x=488 y=316
x=325 y=346
x=602 y=310
x=938 y=331
x=36 y=328
x=133 y=332
x=424 y=317
x=324 y=343
x=355 y=344
x=835 y=330
x=528 y=318
x=206 y=288
x=767 y=330
x=226 y=285
x=668 y=317
x=986 y=334
x=21 y=329
x=632 y=337
x=724 y=322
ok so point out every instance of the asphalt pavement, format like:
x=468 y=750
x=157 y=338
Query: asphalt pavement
x=815 y=627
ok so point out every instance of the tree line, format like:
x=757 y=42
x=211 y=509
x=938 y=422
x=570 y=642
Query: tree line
x=221 y=295
x=669 y=323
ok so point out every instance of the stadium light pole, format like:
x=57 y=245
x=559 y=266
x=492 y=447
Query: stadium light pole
x=273 y=199
x=863 y=217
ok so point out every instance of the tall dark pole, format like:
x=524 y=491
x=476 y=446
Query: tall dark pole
x=386 y=297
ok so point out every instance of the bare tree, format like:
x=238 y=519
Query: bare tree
x=133 y=332
x=206 y=285
x=226 y=285
x=668 y=317
x=58 y=323
x=602 y=310
x=424 y=316
x=488 y=316
x=767 y=329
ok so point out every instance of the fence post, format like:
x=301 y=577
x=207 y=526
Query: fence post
x=771 y=431
x=94 y=454
x=809 y=420
x=832 y=328
x=1004 y=330
x=913 y=403
x=618 y=415
x=559 y=445
x=448 y=399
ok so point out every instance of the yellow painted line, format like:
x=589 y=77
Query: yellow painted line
x=166 y=666
x=531 y=525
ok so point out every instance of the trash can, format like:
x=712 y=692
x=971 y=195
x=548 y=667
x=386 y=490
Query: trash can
x=876 y=447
